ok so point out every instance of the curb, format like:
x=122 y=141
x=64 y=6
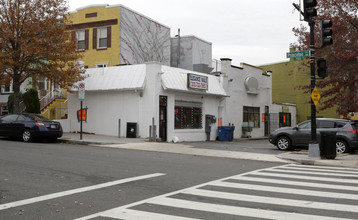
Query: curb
x=81 y=142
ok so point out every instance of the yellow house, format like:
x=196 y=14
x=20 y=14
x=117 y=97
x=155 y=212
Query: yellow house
x=109 y=35
x=116 y=35
x=286 y=79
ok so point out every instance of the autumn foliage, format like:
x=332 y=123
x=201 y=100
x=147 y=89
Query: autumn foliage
x=341 y=87
x=34 y=43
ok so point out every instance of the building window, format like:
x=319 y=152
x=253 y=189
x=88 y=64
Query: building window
x=188 y=117
x=102 y=37
x=81 y=40
x=101 y=65
x=6 y=89
x=251 y=115
x=285 y=119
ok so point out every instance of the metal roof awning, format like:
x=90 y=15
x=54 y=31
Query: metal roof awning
x=177 y=79
x=115 y=78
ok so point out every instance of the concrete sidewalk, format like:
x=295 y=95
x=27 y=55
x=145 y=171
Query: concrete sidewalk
x=344 y=160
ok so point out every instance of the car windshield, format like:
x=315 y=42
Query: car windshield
x=38 y=118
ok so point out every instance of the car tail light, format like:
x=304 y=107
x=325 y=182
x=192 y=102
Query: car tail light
x=39 y=124
x=354 y=131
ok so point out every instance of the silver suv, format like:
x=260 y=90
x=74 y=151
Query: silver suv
x=289 y=137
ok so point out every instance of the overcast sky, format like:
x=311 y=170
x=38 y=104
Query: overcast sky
x=254 y=32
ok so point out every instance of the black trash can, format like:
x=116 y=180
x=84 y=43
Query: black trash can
x=327 y=145
x=131 y=130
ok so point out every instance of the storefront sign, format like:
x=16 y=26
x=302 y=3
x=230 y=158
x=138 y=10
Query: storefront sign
x=197 y=81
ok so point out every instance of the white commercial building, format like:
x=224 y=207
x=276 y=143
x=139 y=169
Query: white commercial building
x=127 y=100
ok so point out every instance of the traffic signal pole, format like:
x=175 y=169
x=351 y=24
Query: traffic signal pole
x=309 y=12
x=313 y=82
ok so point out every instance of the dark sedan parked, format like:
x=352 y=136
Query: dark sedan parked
x=29 y=127
x=289 y=137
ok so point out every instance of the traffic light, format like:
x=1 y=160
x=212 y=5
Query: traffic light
x=326 y=33
x=322 y=68
x=309 y=10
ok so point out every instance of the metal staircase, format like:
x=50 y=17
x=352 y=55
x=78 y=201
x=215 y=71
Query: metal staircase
x=54 y=105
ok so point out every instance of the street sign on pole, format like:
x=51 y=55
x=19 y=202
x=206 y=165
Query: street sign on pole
x=81 y=91
x=298 y=55
x=315 y=96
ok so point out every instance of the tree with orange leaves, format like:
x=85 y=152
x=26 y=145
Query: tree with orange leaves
x=34 y=43
x=341 y=87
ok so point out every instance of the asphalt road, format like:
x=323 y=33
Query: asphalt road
x=35 y=170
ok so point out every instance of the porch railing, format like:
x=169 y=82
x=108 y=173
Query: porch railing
x=51 y=96
x=57 y=112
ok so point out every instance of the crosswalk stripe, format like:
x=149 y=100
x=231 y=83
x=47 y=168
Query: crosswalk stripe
x=270 y=200
x=337 y=180
x=233 y=210
x=285 y=190
x=316 y=169
x=354 y=170
x=258 y=179
x=299 y=183
x=130 y=214
x=314 y=173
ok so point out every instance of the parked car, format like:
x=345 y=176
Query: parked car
x=29 y=127
x=290 y=137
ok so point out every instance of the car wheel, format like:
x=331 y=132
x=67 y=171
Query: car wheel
x=283 y=143
x=341 y=147
x=26 y=135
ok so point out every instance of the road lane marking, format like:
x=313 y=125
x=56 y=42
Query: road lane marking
x=75 y=191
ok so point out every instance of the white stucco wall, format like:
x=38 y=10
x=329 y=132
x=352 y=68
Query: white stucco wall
x=234 y=78
x=105 y=108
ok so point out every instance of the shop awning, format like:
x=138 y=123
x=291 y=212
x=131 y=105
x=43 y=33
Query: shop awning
x=177 y=79
x=130 y=77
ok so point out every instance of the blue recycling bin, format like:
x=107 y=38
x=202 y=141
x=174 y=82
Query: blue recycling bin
x=226 y=133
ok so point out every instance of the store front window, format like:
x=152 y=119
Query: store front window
x=285 y=119
x=188 y=117
x=252 y=116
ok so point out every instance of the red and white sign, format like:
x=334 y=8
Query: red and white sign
x=197 y=82
x=81 y=91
